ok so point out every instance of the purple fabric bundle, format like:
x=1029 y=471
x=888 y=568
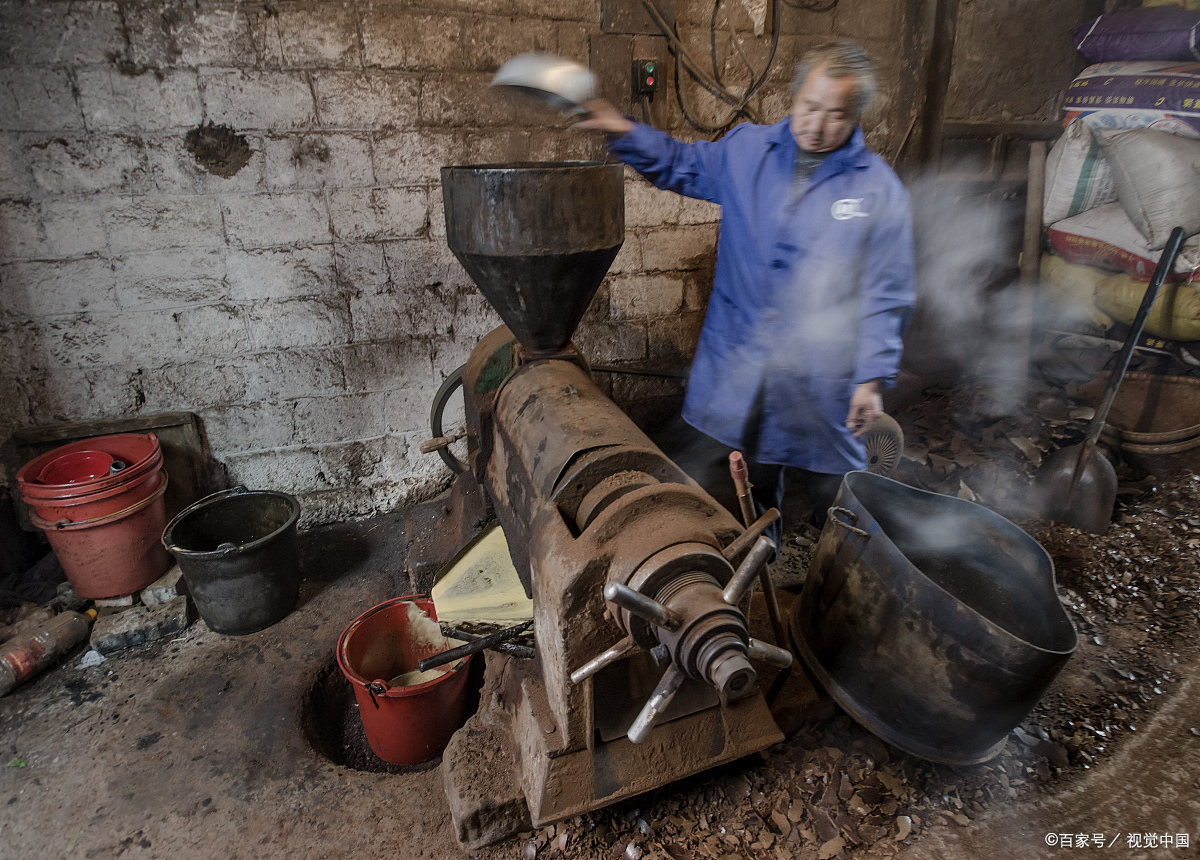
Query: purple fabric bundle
x=1151 y=33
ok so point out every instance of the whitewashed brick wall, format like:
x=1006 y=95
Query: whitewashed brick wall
x=306 y=307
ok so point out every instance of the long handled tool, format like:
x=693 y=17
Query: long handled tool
x=741 y=480
x=1077 y=485
x=472 y=647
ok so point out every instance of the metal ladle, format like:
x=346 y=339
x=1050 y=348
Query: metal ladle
x=556 y=82
x=1077 y=485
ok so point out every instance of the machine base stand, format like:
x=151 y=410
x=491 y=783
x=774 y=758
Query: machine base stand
x=483 y=785
x=486 y=786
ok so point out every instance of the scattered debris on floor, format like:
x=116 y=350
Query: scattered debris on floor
x=835 y=790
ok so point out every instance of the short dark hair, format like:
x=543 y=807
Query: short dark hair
x=839 y=59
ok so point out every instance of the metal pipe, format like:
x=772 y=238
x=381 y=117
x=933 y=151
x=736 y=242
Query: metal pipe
x=642 y=606
x=607 y=658
x=521 y=652
x=736 y=589
x=658 y=702
x=1031 y=253
x=472 y=647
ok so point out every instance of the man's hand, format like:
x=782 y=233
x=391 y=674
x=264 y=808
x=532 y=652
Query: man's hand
x=602 y=116
x=865 y=403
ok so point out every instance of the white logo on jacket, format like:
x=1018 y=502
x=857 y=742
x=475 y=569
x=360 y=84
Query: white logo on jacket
x=847 y=208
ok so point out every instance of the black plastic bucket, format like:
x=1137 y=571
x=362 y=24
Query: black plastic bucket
x=238 y=553
x=932 y=621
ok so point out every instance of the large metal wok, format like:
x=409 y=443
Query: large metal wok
x=932 y=621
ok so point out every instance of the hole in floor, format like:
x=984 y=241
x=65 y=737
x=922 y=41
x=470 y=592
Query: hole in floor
x=335 y=730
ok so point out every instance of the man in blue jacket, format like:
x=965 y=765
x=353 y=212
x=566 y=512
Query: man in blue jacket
x=814 y=274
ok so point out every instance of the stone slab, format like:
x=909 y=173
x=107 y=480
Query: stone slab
x=139 y=625
x=483 y=785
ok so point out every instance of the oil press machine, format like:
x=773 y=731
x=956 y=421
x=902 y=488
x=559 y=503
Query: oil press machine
x=644 y=672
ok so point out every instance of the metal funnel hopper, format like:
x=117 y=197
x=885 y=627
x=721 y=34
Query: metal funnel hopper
x=537 y=239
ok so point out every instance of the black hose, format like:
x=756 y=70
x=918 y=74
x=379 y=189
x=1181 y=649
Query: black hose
x=640 y=371
x=776 y=28
x=712 y=43
x=453 y=381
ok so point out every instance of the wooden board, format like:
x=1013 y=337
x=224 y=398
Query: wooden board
x=191 y=470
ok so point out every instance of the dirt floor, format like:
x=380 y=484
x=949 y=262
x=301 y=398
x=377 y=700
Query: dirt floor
x=214 y=746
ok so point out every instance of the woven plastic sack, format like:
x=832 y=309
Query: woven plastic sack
x=1077 y=176
x=1105 y=238
x=1159 y=95
x=1073 y=288
x=1174 y=315
x=1185 y=4
x=1157 y=177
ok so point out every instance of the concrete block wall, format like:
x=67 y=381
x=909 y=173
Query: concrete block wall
x=233 y=208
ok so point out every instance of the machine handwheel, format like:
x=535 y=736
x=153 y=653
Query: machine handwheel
x=730 y=674
x=884 y=441
x=453 y=381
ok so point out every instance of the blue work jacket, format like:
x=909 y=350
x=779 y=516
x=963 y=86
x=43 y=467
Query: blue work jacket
x=810 y=297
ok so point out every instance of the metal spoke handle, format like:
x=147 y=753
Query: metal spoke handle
x=642 y=606
x=654 y=612
x=658 y=702
x=780 y=658
x=763 y=549
x=606 y=658
x=744 y=542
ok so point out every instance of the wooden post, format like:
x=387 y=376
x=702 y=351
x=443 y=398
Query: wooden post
x=1031 y=250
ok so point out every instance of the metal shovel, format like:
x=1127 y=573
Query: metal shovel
x=1077 y=485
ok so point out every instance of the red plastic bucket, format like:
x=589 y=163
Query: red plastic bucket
x=91 y=506
x=78 y=467
x=140 y=452
x=410 y=724
x=114 y=554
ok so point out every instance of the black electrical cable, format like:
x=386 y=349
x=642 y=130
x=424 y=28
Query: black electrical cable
x=756 y=81
x=715 y=85
x=739 y=109
x=701 y=127
x=692 y=67
x=712 y=43
x=776 y=28
x=683 y=61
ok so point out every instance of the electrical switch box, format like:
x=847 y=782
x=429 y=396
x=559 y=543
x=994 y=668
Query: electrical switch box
x=645 y=78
